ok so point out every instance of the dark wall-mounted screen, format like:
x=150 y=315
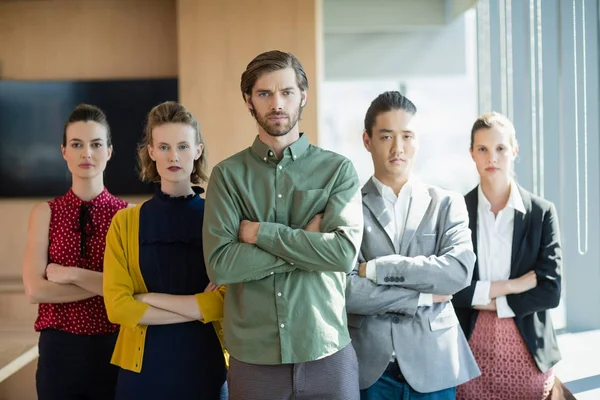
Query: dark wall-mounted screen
x=32 y=118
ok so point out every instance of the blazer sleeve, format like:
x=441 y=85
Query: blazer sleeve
x=464 y=298
x=211 y=304
x=446 y=273
x=548 y=268
x=117 y=284
x=365 y=297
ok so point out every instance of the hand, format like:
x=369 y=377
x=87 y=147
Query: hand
x=523 y=283
x=211 y=287
x=362 y=270
x=140 y=296
x=489 y=307
x=248 y=232
x=315 y=224
x=438 y=298
x=58 y=274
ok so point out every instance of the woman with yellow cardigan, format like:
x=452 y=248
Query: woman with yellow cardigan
x=155 y=282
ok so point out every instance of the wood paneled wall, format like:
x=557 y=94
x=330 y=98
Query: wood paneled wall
x=87 y=39
x=217 y=40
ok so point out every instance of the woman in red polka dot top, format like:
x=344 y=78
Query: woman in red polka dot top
x=63 y=265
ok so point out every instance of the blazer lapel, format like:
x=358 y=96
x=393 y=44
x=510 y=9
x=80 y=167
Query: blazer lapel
x=374 y=202
x=472 y=202
x=419 y=202
x=520 y=230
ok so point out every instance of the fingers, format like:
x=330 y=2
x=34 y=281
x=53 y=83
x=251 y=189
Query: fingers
x=315 y=223
x=316 y=218
x=441 y=298
x=210 y=287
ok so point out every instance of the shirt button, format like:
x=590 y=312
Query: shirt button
x=291 y=263
x=282 y=325
x=279 y=294
x=280 y=195
x=280 y=167
x=395 y=320
x=271 y=153
x=272 y=273
x=294 y=156
x=265 y=159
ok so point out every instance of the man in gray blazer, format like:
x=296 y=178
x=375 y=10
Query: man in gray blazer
x=416 y=253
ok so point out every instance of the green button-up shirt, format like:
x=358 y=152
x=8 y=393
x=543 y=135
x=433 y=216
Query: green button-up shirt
x=285 y=297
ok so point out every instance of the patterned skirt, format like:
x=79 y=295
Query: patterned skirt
x=508 y=371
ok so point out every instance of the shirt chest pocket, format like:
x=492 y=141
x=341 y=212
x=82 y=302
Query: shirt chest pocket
x=305 y=205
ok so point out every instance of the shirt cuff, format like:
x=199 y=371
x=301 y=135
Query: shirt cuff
x=425 y=300
x=371 y=271
x=481 y=295
x=503 y=309
x=210 y=305
x=265 y=239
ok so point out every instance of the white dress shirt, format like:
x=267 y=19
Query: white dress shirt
x=397 y=208
x=494 y=248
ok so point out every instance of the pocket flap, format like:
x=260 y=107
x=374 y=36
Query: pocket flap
x=444 y=320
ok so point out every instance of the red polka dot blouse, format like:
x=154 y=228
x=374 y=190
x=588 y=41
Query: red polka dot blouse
x=77 y=239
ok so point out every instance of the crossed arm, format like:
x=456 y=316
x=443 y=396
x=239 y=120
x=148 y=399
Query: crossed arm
x=536 y=290
x=128 y=308
x=205 y=307
x=441 y=275
x=240 y=250
x=53 y=283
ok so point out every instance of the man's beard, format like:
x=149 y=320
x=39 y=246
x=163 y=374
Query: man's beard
x=278 y=128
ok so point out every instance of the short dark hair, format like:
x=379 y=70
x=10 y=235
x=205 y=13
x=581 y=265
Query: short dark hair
x=270 y=61
x=86 y=113
x=387 y=101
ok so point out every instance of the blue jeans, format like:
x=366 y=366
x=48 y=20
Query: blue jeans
x=389 y=388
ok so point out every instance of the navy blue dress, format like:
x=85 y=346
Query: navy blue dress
x=181 y=361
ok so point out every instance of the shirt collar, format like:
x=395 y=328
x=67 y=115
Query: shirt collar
x=293 y=151
x=387 y=192
x=515 y=201
x=102 y=198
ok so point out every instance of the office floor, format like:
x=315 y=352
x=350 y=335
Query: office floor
x=580 y=366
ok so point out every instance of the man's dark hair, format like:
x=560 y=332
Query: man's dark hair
x=387 y=101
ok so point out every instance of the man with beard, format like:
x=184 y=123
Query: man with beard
x=282 y=227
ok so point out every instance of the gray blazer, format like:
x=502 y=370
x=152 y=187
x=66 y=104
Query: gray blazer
x=436 y=256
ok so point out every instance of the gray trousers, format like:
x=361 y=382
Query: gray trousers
x=331 y=378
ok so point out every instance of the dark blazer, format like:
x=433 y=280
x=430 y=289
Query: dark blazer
x=536 y=246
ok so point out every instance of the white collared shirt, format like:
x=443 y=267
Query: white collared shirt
x=494 y=247
x=397 y=208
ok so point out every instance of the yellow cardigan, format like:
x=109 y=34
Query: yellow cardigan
x=122 y=279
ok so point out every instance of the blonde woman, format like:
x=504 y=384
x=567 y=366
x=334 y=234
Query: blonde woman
x=155 y=280
x=517 y=278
